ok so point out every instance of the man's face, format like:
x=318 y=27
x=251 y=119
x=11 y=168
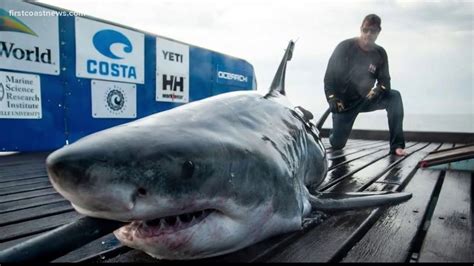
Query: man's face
x=368 y=34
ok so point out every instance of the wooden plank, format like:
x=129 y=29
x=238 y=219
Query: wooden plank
x=428 y=136
x=25 y=188
x=29 y=203
x=366 y=167
x=352 y=157
x=449 y=155
x=25 y=168
x=449 y=237
x=389 y=166
x=346 y=152
x=23 y=182
x=349 y=168
x=22 y=176
x=35 y=212
x=23 y=158
x=351 y=144
x=390 y=239
x=13 y=231
x=352 y=166
x=27 y=195
x=321 y=243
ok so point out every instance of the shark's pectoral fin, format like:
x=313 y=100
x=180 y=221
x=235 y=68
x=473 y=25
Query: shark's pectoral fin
x=327 y=201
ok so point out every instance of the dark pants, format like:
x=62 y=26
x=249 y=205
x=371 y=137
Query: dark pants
x=342 y=122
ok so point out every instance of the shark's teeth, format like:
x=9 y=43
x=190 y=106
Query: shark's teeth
x=169 y=224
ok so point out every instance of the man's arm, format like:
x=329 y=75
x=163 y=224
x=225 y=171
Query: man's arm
x=334 y=70
x=383 y=77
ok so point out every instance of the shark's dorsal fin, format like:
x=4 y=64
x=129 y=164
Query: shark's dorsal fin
x=278 y=83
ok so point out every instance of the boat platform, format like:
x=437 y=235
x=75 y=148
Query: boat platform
x=435 y=225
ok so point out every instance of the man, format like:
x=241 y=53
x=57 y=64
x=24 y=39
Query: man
x=352 y=70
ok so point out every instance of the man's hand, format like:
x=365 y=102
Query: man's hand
x=335 y=105
x=375 y=92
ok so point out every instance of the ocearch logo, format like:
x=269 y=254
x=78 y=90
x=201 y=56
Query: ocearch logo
x=231 y=76
x=115 y=100
x=104 y=41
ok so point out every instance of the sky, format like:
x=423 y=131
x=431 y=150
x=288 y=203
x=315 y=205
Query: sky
x=429 y=43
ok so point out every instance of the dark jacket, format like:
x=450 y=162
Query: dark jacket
x=351 y=72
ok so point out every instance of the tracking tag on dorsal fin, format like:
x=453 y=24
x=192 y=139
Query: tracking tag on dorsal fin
x=278 y=83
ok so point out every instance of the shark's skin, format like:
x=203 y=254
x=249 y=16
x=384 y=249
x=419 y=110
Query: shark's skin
x=226 y=172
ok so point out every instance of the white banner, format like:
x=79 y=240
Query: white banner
x=109 y=52
x=20 y=96
x=28 y=43
x=172 y=71
x=113 y=99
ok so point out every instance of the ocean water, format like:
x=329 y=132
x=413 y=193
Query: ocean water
x=415 y=122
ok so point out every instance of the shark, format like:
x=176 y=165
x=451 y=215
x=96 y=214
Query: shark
x=206 y=178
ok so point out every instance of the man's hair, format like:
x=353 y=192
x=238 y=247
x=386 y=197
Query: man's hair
x=372 y=20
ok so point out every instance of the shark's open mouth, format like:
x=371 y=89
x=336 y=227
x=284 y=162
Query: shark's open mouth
x=169 y=224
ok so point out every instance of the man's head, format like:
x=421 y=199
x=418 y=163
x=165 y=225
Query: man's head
x=369 y=31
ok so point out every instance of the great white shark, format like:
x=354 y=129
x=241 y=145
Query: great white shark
x=206 y=178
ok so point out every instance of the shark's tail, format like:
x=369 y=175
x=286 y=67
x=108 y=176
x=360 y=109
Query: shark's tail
x=325 y=201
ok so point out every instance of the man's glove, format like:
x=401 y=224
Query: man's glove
x=335 y=105
x=376 y=92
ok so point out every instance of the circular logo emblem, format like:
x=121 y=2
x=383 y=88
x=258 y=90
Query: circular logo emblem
x=2 y=92
x=115 y=100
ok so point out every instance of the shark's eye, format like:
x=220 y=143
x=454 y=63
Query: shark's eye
x=141 y=192
x=188 y=169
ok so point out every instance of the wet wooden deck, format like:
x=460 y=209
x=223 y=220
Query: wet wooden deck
x=434 y=226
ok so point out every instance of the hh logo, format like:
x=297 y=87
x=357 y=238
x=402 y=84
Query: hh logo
x=372 y=69
x=105 y=39
x=173 y=83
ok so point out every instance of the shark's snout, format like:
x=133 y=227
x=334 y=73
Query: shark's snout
x=64 y=170
x=91 y=187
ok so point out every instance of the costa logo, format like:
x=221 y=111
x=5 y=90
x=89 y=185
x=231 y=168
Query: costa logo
x=104 y=40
